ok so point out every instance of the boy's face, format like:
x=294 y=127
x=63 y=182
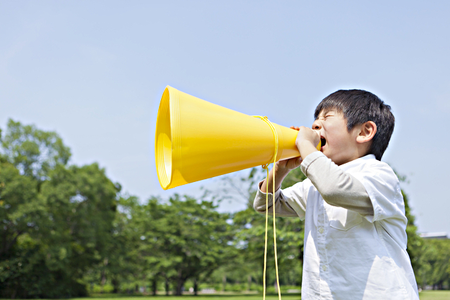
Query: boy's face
x=338 y=144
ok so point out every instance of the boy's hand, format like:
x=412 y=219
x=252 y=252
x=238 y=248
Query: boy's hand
x=307 y=140
x=289 y=164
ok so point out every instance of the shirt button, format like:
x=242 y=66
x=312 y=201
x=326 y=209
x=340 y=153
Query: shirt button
x=324 y=268
x=321 y=229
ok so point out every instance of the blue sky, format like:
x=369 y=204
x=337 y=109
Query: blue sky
x=94 y=71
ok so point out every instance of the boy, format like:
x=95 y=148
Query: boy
x=355 y=238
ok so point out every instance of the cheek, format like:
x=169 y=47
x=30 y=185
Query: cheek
x=337 y=140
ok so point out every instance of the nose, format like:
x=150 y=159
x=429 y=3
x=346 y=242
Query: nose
x=317 y=125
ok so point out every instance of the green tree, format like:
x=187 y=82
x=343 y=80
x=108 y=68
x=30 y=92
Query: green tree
x=57 y=220
x=289 y=245
x=81 y=206
x=289 y=236
x=435 y=263
x=124 y=264
x=19 y=209
x=27 y=156
x=414 y=246
x=182 y=239
x=20 y=213
x=34 y=152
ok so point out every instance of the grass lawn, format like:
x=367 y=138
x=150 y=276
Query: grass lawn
x=435 y=295
x=425 y=295
x=201 y=297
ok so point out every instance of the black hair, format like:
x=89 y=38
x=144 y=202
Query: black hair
x=358 y=107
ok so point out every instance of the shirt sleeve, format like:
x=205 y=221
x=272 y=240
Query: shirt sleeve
x=290 y=202
x=337 y=187
x=384 y=191
x=383 y=187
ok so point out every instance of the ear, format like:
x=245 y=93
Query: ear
x=367 y=132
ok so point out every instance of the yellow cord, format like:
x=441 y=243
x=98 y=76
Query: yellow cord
x=266 y=167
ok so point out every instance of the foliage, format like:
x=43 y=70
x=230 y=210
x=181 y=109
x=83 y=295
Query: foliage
x=415 y=242
x=430 y=258
x=56 y=219
x=19 y=207
x=435 y=264
x=34 y=152
x=182 y=239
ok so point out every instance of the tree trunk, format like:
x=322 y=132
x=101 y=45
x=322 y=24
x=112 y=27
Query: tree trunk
x=144 y=288
x=116 y=285
x=179 y=287
x=224 y=282
x=179 y=284
x=154 y=286
x=14 y=293
x=424 y=281
x=166 y=286
x=249 y=282
x=195 y=287
x=103 y=280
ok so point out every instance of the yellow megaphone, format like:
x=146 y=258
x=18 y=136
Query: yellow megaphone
x=196 y=140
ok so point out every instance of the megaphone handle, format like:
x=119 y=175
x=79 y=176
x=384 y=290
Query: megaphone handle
x=275 y=136
x=266 y=166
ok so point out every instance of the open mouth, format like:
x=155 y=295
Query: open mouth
x=323 y=141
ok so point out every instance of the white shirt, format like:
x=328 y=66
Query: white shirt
x=356 y=253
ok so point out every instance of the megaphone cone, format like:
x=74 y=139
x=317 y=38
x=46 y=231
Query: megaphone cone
x=196 y=139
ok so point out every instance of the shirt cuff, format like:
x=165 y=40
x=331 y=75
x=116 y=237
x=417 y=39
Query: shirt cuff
x=309 y=160
x=260 y=193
